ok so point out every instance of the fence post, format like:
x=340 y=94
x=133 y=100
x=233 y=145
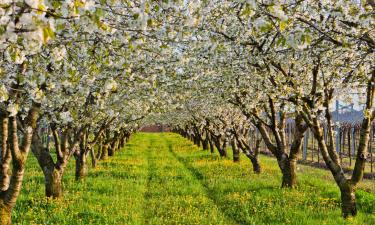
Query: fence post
x=305 y=144
x=349 y=146
x=338 y=140
x=353 y=142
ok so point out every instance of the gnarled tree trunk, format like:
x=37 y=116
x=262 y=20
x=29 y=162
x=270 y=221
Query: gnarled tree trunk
x=104 y=155
x=19 y=153
x=235 y=150
x=212 y=147
x=205 y=144
x=5 y=155
x=256 y=165
x=287 y=163
x=53 y=183
x=81 y=167
x=53 y=172
x=288 y=170
x=252 y=155
x=348 y=200
x=346 y=185
x=111 y=150
x=221 y=147
x=94 y=160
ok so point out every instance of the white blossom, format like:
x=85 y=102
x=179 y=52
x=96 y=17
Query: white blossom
x=3 y=93
x=66 y=117
x=58 y=54
x=13 y=109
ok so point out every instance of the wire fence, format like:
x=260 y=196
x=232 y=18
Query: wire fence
x=346 y=140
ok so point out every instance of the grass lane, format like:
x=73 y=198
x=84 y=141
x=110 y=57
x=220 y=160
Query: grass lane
x=174 y=195
x=113 y=193
x=164 y=179
x=258 y=199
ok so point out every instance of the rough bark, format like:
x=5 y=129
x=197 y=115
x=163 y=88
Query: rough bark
x=5 y=214
x=117 y=145
x=104 y=155
x=53 y=183
x=288 y=170
x=221 y=146
x=347 y=186
x=290 y=165
x=348 y=200
x=111 y=150
x=100 y=150
x=365 y=131
x=212 y=147
x=5 y=155
x=94 y=160
x=205 y=144
x=53 y=172
x=235 y=150
x=197 y=140
x=19 y=153
x=81 y=167
x=287 y=163
x=223 y=150
x=122 y=142
x=256 y=165
x=252 y=155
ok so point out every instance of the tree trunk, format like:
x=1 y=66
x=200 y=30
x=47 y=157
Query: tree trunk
x=256 y=165
x=53 y=183
x=223 y=152
x=117 y=145
x=5 y=214
x=81 y=167
x=220 y=147
x=104 y=155
x=4 y=177
x=288 y=170
x=217 y=144
x=111 y=151
x=5 y=155
x=100 y=151
x=223 y=149
x=94 y=160
x=198 y=141
x=19 y=153
x=212 y=147
x=53 y=172
x=122 y=142
x=205 y=144
x=348 y=201
x=236 y=152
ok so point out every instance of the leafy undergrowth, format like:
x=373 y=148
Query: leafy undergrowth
x=164 y=179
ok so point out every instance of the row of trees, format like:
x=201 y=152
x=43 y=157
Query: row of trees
x=89 y=72
x=76 y=81
x=254 y=65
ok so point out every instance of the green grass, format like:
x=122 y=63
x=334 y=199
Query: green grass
x=164 y=179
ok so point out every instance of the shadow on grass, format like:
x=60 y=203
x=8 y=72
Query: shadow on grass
x=122 y=175
x=209 y=192
x=150 y=175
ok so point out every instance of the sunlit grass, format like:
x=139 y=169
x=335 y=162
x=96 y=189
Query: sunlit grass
x=164 y=179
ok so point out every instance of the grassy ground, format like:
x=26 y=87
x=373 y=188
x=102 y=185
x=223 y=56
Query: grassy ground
x=164 y=179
